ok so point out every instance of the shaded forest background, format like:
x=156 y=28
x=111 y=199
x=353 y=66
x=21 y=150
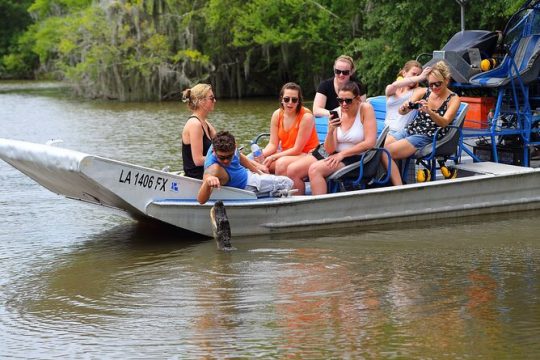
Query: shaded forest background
x=149 y=50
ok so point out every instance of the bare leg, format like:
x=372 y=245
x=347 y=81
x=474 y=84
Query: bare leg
x=298 y=170
x=283 y=162
x=317 y=176
x=400 y=149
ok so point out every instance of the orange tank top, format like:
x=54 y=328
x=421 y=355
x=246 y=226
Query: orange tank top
x=288 y=138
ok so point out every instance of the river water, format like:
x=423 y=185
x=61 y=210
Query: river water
x=78 y=281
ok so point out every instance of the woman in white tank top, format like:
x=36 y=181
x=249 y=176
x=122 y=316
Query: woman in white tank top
x=400 y=91
x=349 y=135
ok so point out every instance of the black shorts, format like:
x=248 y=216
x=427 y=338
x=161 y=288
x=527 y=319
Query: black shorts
x=351 y=159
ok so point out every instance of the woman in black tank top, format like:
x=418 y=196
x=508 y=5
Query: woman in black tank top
x=198 y=132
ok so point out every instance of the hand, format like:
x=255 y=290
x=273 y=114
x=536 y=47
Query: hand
x=334 y=124
x=212 y=182
x=404 y=107
x=425 y=73
x=423 y=106
x=268 y=161
x=333 y=160
x=263 y=169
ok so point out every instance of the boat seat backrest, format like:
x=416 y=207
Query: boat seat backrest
x=321 y=126
x=379 y=106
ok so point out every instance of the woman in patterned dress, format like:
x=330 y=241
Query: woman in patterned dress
x=437 y=106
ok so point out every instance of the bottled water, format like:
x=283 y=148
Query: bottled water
x=257 y=153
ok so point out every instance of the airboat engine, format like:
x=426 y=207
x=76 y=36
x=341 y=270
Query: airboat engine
x=464 y=52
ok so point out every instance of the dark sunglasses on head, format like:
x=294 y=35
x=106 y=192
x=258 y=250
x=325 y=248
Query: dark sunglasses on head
x=344 y=72
x=346 y=101
x=435 y=84
x=286 y=99
x=225 y=157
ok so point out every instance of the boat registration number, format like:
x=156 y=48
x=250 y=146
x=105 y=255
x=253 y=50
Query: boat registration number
x=143 y=180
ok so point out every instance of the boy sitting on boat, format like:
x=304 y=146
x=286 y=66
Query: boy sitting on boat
x=226 y=166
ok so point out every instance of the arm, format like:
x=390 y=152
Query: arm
x=251 y=165
x=449 y=115
x=273 y=143
x=318 y=105
x=212 y=178
x=392 y=88
x=330 y=141
x=416 y=96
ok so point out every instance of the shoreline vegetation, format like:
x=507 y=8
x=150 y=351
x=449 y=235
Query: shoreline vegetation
x=150 y=50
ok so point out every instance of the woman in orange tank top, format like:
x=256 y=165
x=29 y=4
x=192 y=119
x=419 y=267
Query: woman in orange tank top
x=292 y=131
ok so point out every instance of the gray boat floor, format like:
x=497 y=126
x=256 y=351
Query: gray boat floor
x=492 y=168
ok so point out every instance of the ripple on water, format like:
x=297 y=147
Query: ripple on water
x=79 y=282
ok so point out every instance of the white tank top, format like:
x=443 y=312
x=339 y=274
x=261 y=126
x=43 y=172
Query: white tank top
x=394 y=119
x=351 y=137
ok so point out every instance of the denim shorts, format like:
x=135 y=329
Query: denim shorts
x=416 y=140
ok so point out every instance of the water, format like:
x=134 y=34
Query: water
x=80 y=282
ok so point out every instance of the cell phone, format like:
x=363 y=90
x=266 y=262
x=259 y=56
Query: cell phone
x=334 y=115
x=414 y=105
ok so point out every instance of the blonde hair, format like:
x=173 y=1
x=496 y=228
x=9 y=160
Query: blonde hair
x=441 y=71
x=195 y=94
x=348 y=59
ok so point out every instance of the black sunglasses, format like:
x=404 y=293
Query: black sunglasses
x=294 y=100
x=225 y=157
x=344 y=72
x=435 y=84
x=346 y=101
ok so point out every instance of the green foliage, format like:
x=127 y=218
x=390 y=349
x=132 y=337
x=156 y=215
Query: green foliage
x=14 y=20
x=45 y=8
x=151 y=49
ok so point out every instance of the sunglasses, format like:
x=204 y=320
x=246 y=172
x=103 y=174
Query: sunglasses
x=344 y=72
x=346 y=101
x=212 y=98
x=436 y=84
x=286 y=99
x=225 y=157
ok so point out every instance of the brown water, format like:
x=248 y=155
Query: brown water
x=80 y=282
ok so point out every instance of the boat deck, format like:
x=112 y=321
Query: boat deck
x=484 y=168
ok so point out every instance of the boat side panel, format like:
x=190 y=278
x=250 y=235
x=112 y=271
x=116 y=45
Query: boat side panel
x=139 y=186
x=420 y=202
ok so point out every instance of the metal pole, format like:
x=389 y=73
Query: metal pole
x=463 y=18
x=462 y=4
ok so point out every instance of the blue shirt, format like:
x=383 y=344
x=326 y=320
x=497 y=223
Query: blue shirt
x=238 y=174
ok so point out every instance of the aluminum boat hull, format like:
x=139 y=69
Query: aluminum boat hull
x=486 y=188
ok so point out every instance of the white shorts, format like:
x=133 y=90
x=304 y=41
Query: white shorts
x=268 y=183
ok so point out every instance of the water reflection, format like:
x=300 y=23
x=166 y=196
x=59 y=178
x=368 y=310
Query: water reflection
x=345 y=295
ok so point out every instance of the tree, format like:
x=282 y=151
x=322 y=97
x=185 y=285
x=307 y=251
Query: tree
x=14 y=19
x=152 y=49
x=398 y=31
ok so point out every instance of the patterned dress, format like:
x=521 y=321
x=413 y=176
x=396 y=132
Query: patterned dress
x=423 y=124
